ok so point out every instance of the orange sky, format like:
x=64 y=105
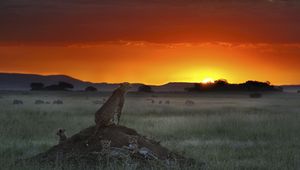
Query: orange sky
x=153 y=41
x=158 y=63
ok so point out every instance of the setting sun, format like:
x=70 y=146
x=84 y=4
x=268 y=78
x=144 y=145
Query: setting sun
x=207 y=80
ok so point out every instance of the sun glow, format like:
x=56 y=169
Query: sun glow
x=207 y=80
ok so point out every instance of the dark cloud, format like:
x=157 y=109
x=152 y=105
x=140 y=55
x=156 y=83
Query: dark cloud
x=85 y=21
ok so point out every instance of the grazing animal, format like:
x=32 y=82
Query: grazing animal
x=62 y=136
x=167 y=102
x=58 y=102
x=160 y=102
x=189 y=102
x=151 y=100
x=112 y=107
x=17 y=102
x=39 y=102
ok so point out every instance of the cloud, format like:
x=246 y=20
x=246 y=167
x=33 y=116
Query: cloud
x=158 y=21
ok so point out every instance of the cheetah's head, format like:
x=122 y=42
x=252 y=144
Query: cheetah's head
x=133 y=140
x=105 y=143
x=60 y=132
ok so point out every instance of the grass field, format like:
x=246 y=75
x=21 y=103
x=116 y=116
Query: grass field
x=226 y=131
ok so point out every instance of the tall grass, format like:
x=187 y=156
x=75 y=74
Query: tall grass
x=224 y=131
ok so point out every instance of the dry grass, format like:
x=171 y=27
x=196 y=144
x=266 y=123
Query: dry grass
x=225 y=131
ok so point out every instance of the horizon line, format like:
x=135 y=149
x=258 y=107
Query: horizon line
x=87 y=81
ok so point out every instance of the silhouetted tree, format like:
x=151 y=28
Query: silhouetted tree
x=145 y=88
x=37 y=86
x=223 y=85
x=65 y=85
x=53 y=87
x=62 y=86
x=91 y=89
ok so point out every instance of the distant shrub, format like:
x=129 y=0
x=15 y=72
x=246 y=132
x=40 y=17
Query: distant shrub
x=145 y=88
x=61 y=86
x=255 y=95
x=298 y=91
x=58 y=102
x=17 y=102
x=39 y=102
x=37 y=86
x=91 y=89
x=65 y=85
x=167 y=102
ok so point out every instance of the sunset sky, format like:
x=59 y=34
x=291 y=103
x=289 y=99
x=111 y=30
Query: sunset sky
x=153 y=41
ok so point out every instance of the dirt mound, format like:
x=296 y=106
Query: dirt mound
x=76 y=153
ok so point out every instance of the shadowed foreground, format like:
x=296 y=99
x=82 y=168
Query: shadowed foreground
x=224 y=130
x=75 y=153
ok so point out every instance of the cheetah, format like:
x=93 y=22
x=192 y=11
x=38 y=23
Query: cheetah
x=62 y=135
x=112 y=107
x=133 y=144
x=111 y=110
x=105 y=144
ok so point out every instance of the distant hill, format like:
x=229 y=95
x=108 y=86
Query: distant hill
x=21 y=82
x=172 y=87
x=16 y=81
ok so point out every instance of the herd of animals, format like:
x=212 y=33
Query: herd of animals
x=18 y=102
x=100 y=102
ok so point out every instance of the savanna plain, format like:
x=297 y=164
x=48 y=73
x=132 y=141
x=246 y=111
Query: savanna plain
x=223 y=130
